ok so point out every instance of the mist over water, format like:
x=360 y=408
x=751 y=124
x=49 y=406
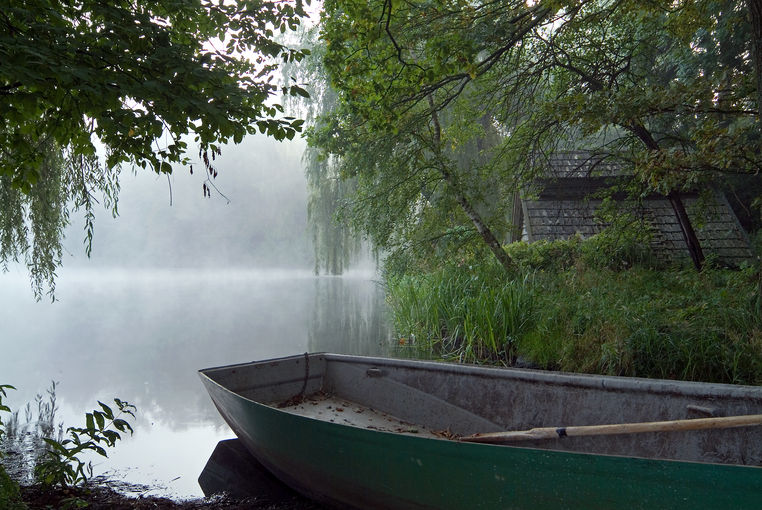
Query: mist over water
x=260 y=221
x=171 y=290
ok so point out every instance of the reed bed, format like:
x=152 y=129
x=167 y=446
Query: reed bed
x=560 y=311
x=469 y=315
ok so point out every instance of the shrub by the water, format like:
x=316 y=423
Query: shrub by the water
x=10 y=497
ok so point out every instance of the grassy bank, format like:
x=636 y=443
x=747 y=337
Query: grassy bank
x=573 y=306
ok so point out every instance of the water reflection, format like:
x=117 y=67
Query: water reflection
x=142 y=336
x=349 y=316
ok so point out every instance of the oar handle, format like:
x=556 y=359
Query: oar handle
x=617 y=428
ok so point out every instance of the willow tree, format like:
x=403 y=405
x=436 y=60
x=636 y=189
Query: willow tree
x=421 y=157
x=665 y=87
x=335 y=242
x=142 y=80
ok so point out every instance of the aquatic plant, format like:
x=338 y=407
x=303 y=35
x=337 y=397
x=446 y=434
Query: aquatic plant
x=460 y=313
x=565 y=309
x=53 y=455
x=24 y=434
x=62 y=465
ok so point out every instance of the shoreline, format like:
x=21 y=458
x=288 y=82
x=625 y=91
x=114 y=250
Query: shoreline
x=102 y=497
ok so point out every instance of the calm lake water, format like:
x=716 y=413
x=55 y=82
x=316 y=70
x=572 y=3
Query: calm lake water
x=141 y=335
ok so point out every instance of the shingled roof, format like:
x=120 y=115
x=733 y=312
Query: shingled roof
x=562 y=206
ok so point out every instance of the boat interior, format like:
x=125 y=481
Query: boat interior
x=444 y=401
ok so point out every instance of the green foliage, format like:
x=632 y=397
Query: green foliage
x=669 y=89
x=564 y=309
x=139 y=80
x=3 y=408
x=388 y=57
x=63 y=466
x=10 y=498
x=336 y=244
x=32 y=223
x=546 y=254
x=426 y=176
x=664 y=88
x=668 y=324
x=613 y=248
x=129 y=73
x=410 y=200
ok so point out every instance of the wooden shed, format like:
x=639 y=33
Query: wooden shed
x=564 y=203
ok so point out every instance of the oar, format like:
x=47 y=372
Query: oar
x=618 y=428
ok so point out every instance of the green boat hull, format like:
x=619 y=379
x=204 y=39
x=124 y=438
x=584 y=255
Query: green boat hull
x=360 y=468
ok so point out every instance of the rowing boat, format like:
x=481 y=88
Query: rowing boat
x=373 y=433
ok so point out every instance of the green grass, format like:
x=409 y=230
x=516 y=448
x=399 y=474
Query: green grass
x=565 y=310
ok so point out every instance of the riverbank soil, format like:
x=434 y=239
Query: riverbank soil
x=104 y=498
x=232 y=479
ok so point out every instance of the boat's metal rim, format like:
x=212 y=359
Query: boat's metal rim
x=607 y=382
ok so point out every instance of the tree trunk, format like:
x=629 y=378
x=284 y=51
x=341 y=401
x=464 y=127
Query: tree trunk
x=481 y=227
x=686 y=227
x=517 y=218
x=689 y=235
x=755 y=18
x=487 y=235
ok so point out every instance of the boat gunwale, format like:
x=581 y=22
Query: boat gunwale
x=577 y=380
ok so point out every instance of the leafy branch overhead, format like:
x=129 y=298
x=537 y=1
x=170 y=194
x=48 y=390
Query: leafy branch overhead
x=128 y=72
x=138 y=79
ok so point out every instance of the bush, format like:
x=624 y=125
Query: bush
x=556 y=255
x=616 y=249
x=10 y=497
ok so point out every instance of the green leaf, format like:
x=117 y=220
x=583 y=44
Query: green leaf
x=56 y=446
x=295 y=90
x=100 y=419
x=122 y=425
x=111 y=437
x=106 y=410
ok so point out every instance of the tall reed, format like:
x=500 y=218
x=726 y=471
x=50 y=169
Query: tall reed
x=462 y=314
x=562 y=311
